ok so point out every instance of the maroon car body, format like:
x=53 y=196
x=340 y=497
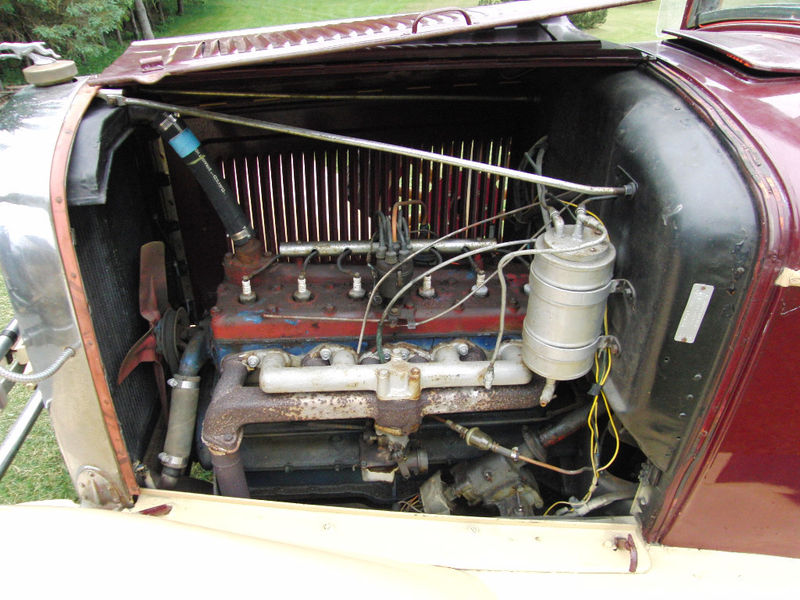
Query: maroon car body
x=739 y=490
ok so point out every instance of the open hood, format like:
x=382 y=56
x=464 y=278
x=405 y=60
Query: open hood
x=149 y=61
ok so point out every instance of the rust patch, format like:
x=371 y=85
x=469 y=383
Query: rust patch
x=234 y=405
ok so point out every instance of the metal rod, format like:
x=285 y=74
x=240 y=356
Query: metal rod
x=8 y=336
x=316 y=318
x=335 y=248
x=114 y=97
x=389 y=97
x=19 y=431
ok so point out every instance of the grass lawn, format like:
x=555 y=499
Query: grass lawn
x=626 y=24
x=636 y=23
x=221 y=15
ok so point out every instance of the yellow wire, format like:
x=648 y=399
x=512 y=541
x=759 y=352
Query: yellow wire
x=588 y=212
x=591 y=420
x=616 y=434
x=553 y=505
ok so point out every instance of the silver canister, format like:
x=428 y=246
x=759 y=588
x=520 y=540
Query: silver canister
x=567 y=301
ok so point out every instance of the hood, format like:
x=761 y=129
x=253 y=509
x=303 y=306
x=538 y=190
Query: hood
x=147 y=62
x=758 y=48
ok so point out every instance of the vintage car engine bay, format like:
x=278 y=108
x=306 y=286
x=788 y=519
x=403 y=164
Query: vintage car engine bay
x=396 y=279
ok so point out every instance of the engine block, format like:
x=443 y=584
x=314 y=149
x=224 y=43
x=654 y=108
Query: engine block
x=276 y=319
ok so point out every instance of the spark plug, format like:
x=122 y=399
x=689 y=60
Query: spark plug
x=427 y=290
x=248 y=296
x=357 y=291
x=302 y=293
x=480 y=289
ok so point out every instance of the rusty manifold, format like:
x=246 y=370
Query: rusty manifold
x=234 y=405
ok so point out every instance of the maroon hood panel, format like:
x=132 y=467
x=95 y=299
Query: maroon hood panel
x=147 y=62
x=765 y=50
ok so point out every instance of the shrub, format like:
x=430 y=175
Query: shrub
x=590 y=19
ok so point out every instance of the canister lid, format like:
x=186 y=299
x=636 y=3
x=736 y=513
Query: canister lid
x=51 y=73
x=566 y=243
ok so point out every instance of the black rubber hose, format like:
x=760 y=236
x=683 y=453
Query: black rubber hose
x=187 y=146
x=565 y=427
x=472 y=262
x=263 y=267
x=340 y=260
x=377 y=219
x=386 y=226
x=229 y=471
x=311 y=255
x=404 y=234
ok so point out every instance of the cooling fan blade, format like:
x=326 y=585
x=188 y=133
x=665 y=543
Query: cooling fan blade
x=153 y=306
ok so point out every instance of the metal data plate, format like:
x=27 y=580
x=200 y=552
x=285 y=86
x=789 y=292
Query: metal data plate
x=694 y=312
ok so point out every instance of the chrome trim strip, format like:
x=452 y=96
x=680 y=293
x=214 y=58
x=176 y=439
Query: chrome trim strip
x=30 y=124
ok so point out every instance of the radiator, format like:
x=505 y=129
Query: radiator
x=332 y=194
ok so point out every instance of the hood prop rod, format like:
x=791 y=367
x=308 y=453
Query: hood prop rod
x=115 y=98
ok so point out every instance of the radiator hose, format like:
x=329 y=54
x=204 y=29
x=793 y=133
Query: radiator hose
x=175 y=132
x=183 y=408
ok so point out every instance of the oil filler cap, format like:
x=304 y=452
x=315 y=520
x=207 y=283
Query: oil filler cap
x=58 y=71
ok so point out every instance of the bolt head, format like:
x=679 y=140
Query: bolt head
x=480 y=292
x=463 y=349
x=302 y=296
x=325 y=354
x=253 y=361
x=247 y=298
x=426 y=292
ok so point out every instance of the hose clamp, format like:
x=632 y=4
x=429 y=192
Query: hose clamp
x=245 y=234
x=184 y=383
x=173 y=462
x=169 y=121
